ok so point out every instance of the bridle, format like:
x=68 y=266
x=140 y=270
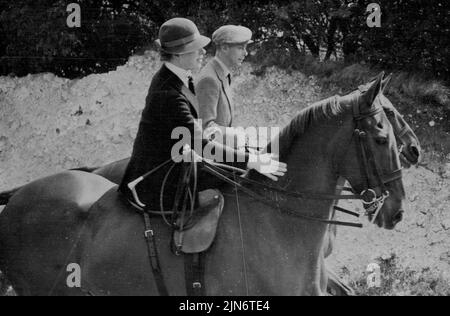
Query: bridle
x=372 y=202
x=399 y=133
x=365 y=150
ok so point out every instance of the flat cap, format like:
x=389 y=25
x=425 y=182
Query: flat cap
x=232 y=34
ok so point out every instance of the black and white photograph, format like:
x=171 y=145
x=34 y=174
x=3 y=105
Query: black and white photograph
x=233 y=149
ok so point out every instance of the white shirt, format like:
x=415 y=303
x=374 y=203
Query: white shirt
x=180 y=72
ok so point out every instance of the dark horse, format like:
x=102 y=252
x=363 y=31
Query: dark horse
x=259 y=250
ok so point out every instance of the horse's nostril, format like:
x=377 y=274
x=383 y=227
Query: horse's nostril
x=414 y=150
x=398 y=217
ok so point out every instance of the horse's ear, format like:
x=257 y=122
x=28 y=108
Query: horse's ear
x=373 y=91
x=386 y=82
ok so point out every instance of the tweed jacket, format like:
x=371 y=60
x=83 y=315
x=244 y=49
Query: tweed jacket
x=214 y=96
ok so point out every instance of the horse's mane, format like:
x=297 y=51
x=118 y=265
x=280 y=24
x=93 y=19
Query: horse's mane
x=316 y=113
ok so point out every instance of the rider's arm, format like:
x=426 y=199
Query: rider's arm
x=182 y=117
x=208 y=92
x=266 y=164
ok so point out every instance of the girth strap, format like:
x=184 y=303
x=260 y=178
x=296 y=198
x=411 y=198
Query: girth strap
x=194 y=265
x=194 y=270
x=153 y=256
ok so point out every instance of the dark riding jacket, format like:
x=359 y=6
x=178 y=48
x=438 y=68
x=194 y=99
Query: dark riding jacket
x=169 y=104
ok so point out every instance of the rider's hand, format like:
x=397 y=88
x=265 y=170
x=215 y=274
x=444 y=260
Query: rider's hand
x=212 y=133
x=268 y=165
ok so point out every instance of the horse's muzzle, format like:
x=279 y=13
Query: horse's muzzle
x=398 y=217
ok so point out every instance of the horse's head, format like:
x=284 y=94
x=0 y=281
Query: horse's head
x=409 y=145
x=372 y=164
x=410 y=149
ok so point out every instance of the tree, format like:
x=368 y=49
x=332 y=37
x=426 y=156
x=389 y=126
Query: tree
x=36 y=37
x=415 y=35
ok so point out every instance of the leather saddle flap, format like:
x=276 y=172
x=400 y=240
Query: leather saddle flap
x=200 y=236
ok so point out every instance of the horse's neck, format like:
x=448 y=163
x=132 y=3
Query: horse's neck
x=312 y=167
x=276 y=239
x=285 y=252
x=310 y=164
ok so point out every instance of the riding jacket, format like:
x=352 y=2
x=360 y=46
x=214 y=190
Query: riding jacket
x=169 y=105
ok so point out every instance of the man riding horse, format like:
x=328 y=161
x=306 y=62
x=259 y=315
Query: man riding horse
x=214 y=83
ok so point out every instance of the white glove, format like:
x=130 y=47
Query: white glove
x=268 y=165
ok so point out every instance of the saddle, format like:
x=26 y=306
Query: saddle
x=202 y=225
x=194 y=220
x=192 y=237
x=195 y=234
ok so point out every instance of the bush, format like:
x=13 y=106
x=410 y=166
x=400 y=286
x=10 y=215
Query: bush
x=399 y=281
x=37 y=38
x=414 y=37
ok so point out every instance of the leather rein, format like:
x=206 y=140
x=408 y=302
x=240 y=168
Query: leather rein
x=372 y=202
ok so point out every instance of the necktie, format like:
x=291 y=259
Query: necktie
x=191 y=84
x=229 y=79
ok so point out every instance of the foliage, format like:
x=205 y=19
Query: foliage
x=37 y=38
x=415 y=35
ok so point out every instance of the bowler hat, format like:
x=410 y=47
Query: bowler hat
x=181 y=36
x=232 y=34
